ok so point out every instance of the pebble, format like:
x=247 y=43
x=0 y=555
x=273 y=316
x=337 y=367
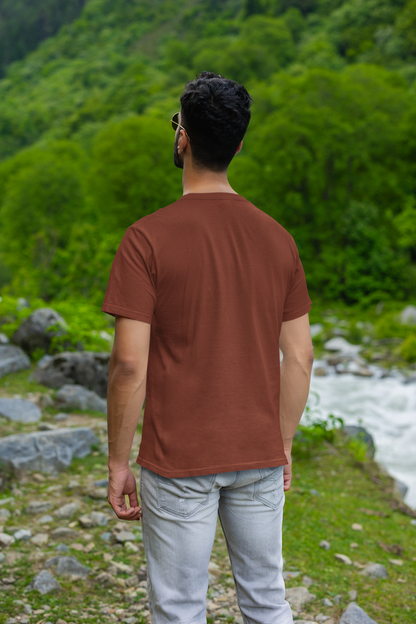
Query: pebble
x=325 y=545
x=354 y=545
x=413 y=522
x=105 y=536
x=307 y=581
x=125 y=536
x=101 y=483
x=6 y=540
x=337 y=599
x=64 y=533
x=67 y=566
x=45 y=519
x=67 y=511
x=93 y=519
x=5 y=514
x=23 y=534
x=344 y=558
x=36 y=507
x=60 y=417
x=314 y=492
x=321 y=617
x=357 y=527
x=2 y=557
x=62 y=548
x=44 y=583
x=40 y=539
x=131 y=548
x=353 y=614
x=375 y=570
x=352 y=594
x=398 y=562
x=105 y=579
x=97 y=493
x=298 y=597
x=327 y=602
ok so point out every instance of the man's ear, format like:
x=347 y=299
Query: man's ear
x=239 y=147
x=183 y=141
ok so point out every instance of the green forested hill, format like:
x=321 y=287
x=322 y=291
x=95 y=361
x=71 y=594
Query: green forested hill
x=86 y=144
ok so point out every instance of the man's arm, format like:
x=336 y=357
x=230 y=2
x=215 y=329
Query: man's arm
x=125 y=397
x=295 y=373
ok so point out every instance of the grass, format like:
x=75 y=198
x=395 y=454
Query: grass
x=344 y=484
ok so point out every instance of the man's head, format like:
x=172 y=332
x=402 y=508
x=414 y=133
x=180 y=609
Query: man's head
x=215 y=113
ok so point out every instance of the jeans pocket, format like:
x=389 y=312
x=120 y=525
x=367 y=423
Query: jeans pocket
x=269 y=489
x=184 y=496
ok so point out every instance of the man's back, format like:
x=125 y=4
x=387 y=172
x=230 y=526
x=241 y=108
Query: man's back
x=216 y=277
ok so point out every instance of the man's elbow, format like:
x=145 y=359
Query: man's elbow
x=129 y=368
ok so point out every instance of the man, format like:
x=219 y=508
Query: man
x=204 y=292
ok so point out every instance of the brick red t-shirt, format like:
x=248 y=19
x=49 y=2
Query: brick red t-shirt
x=215 y=277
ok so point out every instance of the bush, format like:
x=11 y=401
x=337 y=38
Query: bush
x=408 y=348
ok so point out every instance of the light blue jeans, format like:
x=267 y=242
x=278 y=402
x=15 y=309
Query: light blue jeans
x=179 y=523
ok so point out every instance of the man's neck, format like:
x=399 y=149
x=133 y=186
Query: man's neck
x=204 y=181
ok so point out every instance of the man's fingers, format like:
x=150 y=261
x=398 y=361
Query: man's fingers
x=133 y=498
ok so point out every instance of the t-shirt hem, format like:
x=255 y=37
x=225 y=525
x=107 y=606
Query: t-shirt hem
x=291 y=316
x=206 y=470
x=131 y=314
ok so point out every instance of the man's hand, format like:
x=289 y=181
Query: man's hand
x=287 y=471
x=121 y=483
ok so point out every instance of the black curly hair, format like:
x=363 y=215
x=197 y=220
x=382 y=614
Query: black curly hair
x=215 y=112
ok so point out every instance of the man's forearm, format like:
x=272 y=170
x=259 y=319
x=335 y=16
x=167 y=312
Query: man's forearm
x=294 y=389
x=126 y=393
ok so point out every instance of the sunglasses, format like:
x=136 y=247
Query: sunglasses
x=175 y=124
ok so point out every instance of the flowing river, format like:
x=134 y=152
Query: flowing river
x=385 y=407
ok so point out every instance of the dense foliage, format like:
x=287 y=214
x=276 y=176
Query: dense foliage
x=86 y=144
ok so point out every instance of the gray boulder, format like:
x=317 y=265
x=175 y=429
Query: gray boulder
x=36 y=507
x=67 y=566
x=375 y=570
x=78 y=397
x=3 y=339
x=12 y=360
x=34 y=332
x=87 y=369
x=343 y=347
x=44 y=583
x=408 y=315
x=20 y=410
x=353 y=431
x=353 y=614
x=45 y=451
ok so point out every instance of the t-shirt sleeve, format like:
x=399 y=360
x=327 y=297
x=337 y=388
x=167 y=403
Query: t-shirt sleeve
x=131 y=290
x=297 y=302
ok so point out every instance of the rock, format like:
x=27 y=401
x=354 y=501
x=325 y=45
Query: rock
x=78 y=397
x=2 y=557
x=23 y=534
x=357 y=527
x=106 y=537
x=64 y=533
x=343 y=558
x=62 y=548
x=40 y=539
x=45 y=426
x=324 y=544
x=352 y=594
x=101 y=483
x=314 y=492
x=398 y=562
x=131 y=548
x=44 y=583
x=322 y=618
x=353 y=431
x=345 y=348
x=87 y=369
x=60 y=417
x=320 y=371
x=46 y=452
x=400 y=488
x=298 y=597
x=34 y=332
x=125 y=536
x=316 y=329
x=6 y=539
x=120 y=568
x=375 y=570
x=93 y=519
x=291 y=574
x=67 y=511
x=4 y=514
x=45 y=519
x=353 y=614
x=327 y=602
x=35 y=507
x=337 y=599
x=67 y=566
x=12 y=360
x=44 y=360
x=307 y=581
x=105 y=580
x=408 y=315
x=19 y=410
x=3 y=339
x=97 y=493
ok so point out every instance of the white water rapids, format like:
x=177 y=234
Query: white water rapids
x=387 y=410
